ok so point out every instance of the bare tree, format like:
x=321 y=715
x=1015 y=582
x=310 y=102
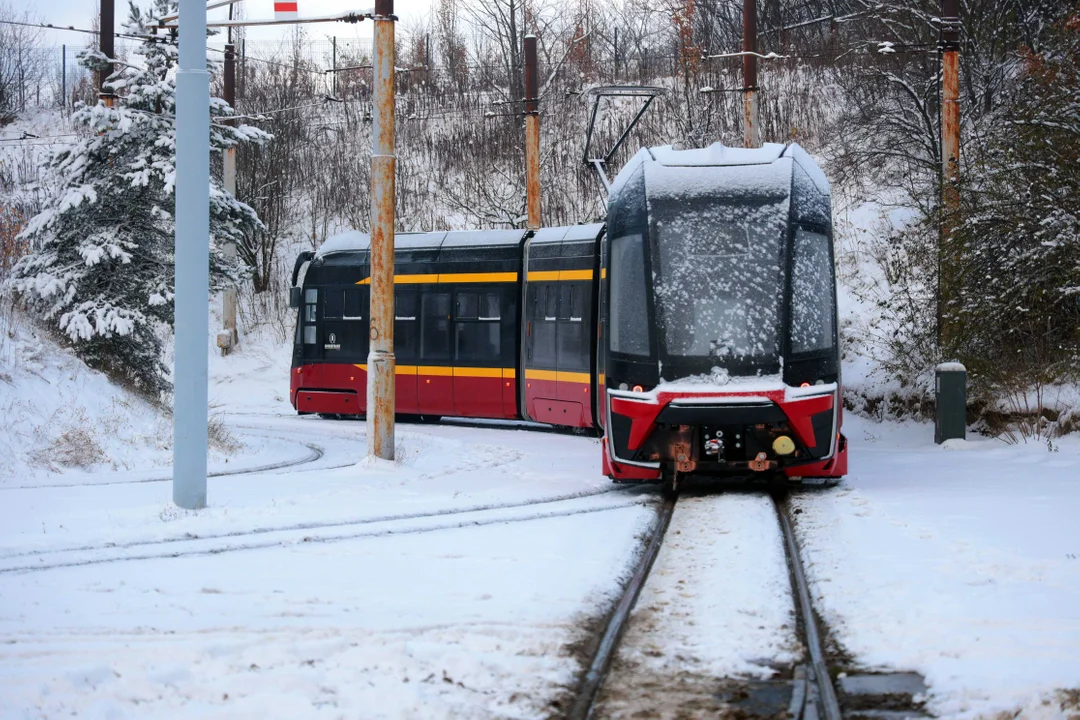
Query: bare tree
x=22 y=61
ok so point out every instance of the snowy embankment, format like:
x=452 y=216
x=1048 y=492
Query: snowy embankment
x=62 y=423
x=961 y=563
x=452 y=583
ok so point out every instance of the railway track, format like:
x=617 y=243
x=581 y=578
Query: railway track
x=274 y=536
x=811 y=692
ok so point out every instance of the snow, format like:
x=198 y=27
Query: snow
x=450 y=583
x=961 y=566
x=571 y=233
x=718 y=154
x=483 y=238
x=717 y=604
x=772 y=180
x=61 y=423
x=471 y=566
x=351 y=240
x=807 y=163
x=951 y=367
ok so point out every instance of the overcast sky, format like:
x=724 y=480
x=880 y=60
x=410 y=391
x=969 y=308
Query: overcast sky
x=80 y=14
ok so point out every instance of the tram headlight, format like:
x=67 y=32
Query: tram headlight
x=783 y=445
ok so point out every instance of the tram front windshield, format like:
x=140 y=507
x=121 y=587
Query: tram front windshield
x=718 y=277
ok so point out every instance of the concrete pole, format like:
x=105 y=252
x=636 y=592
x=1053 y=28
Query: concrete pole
x=105 y=44
x=192 y=258
x=229 y=338
x=751 y=128
x=381 y=373
x=532 y=137
x=948 y=257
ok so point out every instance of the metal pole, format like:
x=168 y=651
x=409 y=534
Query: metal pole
x=532 y=137
x=229 y=338
x=751 y=129
x=63 y=77
x=192 y=258
x=333 y=62
x=381 y=373
x=948 y=258
x=105 y=44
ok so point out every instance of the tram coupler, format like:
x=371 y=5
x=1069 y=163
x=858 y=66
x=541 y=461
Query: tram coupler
x=761 y=463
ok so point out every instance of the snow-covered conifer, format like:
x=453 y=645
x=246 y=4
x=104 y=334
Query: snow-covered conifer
x=101 y=270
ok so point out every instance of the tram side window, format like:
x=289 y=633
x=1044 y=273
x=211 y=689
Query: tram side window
x=406 y=325
x=572 y=332
x=543 y=317
x=490 y=307
x=333 y=303
x=311 y=306
x=813 y=296
x=353 y=305
x=435 y=327
x=477 y=335
x=629 y=331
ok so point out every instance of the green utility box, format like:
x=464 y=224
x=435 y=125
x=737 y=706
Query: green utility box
x=950 y=421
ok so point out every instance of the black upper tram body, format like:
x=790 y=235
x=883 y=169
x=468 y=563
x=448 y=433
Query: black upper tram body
x=714 y=271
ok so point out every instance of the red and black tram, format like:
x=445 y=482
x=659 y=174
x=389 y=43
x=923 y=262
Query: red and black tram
x=696 y=329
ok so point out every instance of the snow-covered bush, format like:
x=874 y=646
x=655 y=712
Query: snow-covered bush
x=1020 y=232
x=100 y=271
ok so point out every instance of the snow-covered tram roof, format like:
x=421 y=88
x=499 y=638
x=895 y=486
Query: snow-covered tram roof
x=572 y=233
x=765 y=170
x=356 y=241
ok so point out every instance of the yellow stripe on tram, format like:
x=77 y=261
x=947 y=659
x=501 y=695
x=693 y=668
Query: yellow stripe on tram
x=559 y=275
x=438 y=278
x=558 y=376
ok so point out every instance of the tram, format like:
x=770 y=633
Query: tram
x=695 y=329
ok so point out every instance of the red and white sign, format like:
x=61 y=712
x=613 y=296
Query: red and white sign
x=284 y=10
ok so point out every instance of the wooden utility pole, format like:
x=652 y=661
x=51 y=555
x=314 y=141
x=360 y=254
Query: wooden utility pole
x=381 y=401
x=751 y=130
x=532 y=137
x=229 y=337
x=105 y=44
x=948 y=254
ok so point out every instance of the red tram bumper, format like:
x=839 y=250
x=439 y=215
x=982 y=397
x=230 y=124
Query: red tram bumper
x=773 y=430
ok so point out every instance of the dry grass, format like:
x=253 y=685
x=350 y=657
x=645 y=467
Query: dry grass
x=220 y=437
x=75 y=447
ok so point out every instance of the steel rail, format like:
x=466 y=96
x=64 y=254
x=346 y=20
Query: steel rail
x=315 y=526
x=202 y=549
x=820 y=680
x=314 y=454
x=589 y=689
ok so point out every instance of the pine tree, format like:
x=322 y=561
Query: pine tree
x=102 y=269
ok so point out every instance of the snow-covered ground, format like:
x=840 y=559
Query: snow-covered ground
x=62 y=423
x=457 y=581
x=451 y=584
x=961 y=563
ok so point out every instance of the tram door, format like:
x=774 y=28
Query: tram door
x=554 y=385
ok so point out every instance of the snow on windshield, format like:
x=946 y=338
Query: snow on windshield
x=719 y=282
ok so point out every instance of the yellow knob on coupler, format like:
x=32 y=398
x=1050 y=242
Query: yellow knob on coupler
x=783 y=445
